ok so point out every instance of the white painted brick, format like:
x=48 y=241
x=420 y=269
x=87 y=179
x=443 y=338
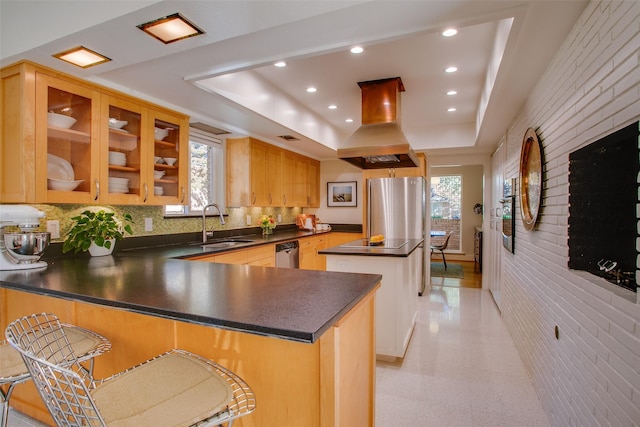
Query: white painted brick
x=590 y=89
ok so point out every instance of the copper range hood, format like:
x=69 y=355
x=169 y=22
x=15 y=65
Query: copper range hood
x=379 y=143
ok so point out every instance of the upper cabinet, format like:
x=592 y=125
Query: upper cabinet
x=169 y=155
x=67 y=131
x=260 y=174
x=65 y=140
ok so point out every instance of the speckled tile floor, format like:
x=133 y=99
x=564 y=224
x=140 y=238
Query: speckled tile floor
x=461 y=369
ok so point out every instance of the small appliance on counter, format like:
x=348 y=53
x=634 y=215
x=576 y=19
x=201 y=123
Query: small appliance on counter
x=306 y=222
x=21 y=250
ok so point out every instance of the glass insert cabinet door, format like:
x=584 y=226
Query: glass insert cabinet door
x=67 y=152
x=123 y=172
x=170 y=156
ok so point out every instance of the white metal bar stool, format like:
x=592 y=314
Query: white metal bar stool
x=176 y=388
x=84 y=343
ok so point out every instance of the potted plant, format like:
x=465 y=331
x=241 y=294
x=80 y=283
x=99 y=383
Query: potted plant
x=267 y=223
x=96 y=232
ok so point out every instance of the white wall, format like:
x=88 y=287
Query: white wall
x=336 y=171
x=591 y=374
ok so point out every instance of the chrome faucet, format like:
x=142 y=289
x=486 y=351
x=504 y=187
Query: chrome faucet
x=206 y=233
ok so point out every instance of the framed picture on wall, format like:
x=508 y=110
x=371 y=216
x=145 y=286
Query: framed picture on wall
x=342 y=193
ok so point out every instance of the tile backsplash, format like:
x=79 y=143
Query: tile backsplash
x=235 y=218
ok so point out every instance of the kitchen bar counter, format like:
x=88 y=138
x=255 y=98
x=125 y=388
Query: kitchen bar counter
x=297 y=337
x=288 y=303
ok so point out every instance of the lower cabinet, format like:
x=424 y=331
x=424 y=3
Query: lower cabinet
x=309 y=257
x=295 y=383
x=264 y=256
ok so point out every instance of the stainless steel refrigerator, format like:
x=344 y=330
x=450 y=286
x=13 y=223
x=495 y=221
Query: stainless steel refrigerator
x=397 y=210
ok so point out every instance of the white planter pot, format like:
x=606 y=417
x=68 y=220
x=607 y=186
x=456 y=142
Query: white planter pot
x=96 y=250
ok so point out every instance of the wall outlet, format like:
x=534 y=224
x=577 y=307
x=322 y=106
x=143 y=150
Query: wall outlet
x=279 y=218
x=53 y=227
x=248 y=219
x=148 y=224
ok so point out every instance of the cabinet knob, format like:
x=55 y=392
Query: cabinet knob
x=183 y=194
x=253 y=199
x=270 y=199
x=146 y=192
x=284 y=199
x=97 y=183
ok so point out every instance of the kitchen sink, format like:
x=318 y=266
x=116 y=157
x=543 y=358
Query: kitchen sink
x=226 y=243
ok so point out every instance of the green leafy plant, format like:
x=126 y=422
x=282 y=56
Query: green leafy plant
x=97 y=227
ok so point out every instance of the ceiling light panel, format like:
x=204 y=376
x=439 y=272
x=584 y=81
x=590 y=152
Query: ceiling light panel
x=171 y=28
x=82 y=57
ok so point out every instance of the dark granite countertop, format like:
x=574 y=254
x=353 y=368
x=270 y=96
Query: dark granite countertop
x=286 y=303
x=352 y=248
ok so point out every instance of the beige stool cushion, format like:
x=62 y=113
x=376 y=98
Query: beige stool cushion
x=11 y=363
x=171 y=390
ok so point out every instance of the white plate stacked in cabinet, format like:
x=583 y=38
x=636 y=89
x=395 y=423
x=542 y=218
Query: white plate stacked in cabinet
x=118 y=185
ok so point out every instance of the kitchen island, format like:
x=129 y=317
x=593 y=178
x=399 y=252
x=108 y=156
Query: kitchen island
x=400 y=264
x=297 y=337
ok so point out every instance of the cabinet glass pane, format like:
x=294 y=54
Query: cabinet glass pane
x=167 y=160
x=125 y=154
x=68 y=141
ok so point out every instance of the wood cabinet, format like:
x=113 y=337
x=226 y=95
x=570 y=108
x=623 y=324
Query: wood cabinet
x=260 y=174
x=248 y=172
x=295 y=383
x=313 y=187
x=477 y=247
x=264 y=256
x=34 y=151
x=288 y=162
x=338 y=238
x=309 y=257
x=173 y=186
x=66 y=154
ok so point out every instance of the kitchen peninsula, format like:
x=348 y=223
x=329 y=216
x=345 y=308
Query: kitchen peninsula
x=400 y=264
x=297 y=337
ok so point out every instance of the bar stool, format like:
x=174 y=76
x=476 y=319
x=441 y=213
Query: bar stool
x=85 y=344
x=174 y=388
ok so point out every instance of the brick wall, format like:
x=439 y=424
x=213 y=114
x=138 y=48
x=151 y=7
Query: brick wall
x=447 y=225
x=591 y=374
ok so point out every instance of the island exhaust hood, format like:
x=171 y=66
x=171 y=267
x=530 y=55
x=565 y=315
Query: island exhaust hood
x=379 y=143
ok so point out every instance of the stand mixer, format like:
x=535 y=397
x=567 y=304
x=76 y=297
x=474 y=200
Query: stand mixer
x=22 y=250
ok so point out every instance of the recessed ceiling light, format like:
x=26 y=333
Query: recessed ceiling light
x=280 y=64
x=82 y=57
x=451 y=69
x=349 y=120
x=332 y=107
x=451 y=109
x=449 y=32
x=357 y=49
x=311 y=89
x=452 y=92
x=171 y=28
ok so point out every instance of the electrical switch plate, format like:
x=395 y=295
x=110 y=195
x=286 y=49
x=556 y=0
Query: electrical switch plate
x=279 y=217
x=248 y=219
x=53 y=227
x=148 y=224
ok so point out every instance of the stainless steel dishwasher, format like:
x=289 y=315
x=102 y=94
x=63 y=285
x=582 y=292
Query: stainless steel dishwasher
x=287 y=255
